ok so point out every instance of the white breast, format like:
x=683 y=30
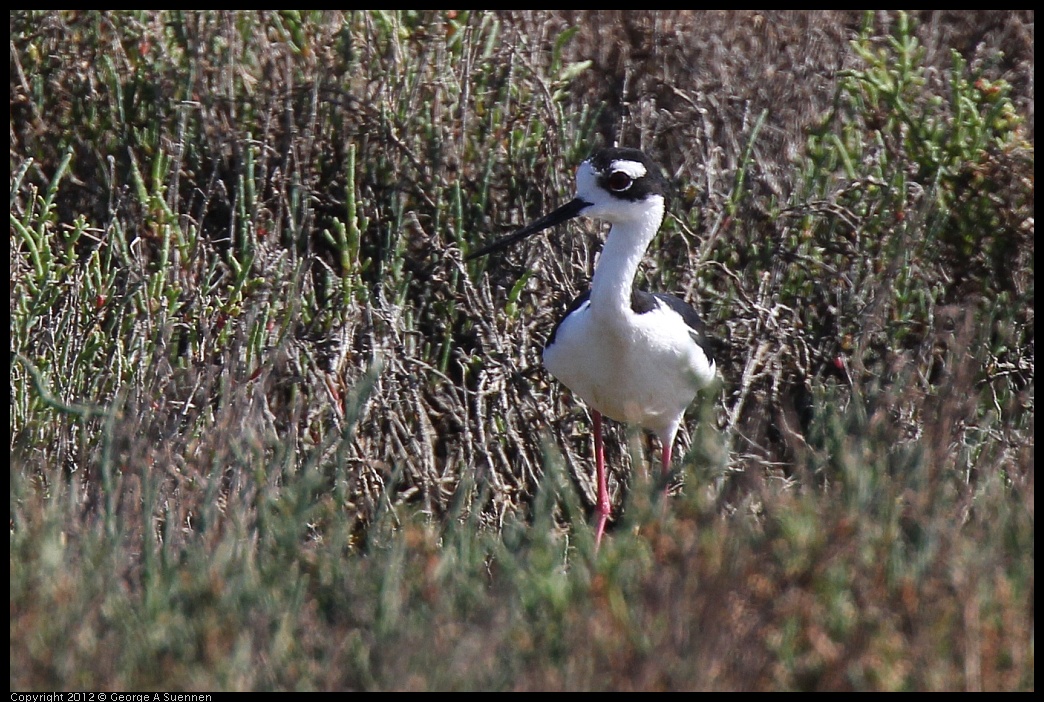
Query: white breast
x=643 y=368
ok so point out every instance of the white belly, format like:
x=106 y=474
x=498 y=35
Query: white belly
x=643 y=370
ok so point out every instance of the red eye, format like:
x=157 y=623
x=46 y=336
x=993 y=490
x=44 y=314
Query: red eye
x=619 y=181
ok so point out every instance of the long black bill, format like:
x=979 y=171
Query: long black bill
x=566 y=211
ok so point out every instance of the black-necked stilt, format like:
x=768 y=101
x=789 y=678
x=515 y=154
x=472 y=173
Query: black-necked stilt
x=633 y=356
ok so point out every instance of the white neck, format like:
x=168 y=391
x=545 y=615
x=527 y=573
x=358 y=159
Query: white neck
x=618 y=263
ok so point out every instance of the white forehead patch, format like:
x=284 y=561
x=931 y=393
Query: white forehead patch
x=634 y=169
x=585 y=177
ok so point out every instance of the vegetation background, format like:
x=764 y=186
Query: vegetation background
x=270 y=431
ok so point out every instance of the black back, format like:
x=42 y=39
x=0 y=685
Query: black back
x=644 y=302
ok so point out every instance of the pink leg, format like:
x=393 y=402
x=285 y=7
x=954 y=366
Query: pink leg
x=603 y=506
x=666 y=455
